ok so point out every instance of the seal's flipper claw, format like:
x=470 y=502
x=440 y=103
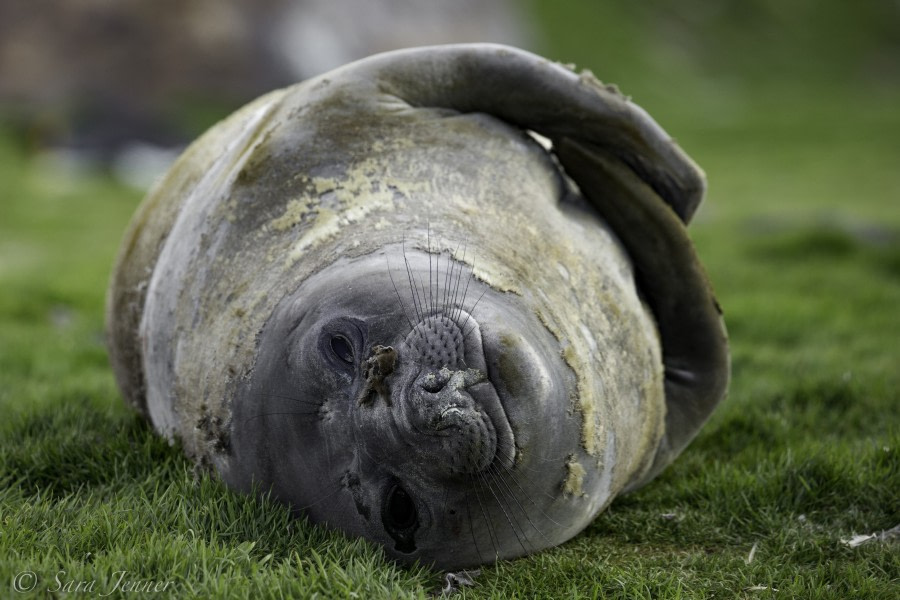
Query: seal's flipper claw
x=694 y=343
x=535 y=94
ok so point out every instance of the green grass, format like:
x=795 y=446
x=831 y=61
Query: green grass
x=801 y=237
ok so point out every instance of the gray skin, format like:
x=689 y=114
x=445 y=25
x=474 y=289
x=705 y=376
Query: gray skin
x=287 y=304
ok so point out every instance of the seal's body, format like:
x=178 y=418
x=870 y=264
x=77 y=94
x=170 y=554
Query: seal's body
x=377 y=295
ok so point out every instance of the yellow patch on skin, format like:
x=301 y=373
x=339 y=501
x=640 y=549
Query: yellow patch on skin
x=325 y=226
x=585 y=402
x=294 y=212
x=357 y=195
x=574 y=483
x=496 y=275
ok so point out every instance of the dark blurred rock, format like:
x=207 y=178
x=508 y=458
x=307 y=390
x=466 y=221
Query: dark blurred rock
x=99 y=74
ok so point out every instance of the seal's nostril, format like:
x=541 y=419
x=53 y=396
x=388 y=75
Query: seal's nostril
x=433 y=383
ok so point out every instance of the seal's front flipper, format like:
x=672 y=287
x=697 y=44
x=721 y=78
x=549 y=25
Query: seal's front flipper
x=532 y=93
x=694 y=344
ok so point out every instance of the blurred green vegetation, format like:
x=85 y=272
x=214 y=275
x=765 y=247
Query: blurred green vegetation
x=655 y=44
x=794 y=111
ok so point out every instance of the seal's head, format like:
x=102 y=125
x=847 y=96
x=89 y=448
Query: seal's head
x=413 y=405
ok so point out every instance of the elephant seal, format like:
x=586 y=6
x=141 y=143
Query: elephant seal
x=378 y=296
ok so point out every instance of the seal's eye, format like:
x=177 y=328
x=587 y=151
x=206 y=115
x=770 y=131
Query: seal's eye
x=342 y=348
x=400 y=519
x=341 y=343
x=401 y=512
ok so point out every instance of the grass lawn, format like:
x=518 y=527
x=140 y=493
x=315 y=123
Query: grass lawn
x=801 y=238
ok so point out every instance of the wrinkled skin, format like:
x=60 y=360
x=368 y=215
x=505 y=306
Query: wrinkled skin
x=282 y=307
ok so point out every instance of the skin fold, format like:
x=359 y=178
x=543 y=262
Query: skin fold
x=376 y=294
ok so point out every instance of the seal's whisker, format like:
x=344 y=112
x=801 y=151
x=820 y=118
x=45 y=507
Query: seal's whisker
x=396 y=291
x=322 y=498
x=498 y=476
x=510 y=493
x=495 y=476
x=490 y=527
x=454 y=282
x=512 y=525
x=420 y=294
x=469 y=332
x=437 y=273
x=460 y=295
x=409 y=278
x=437 y=277
x=430 y=271
x=497 y=471
x=501 y=476
x=414 y=293
x=448 y=281
x=280 y=414
x=459 y=272
x=427 y=310
x=420 y=288
x=447 y=271
x=560 y=460
x=472 y=310
x=315 y=403
x=451 y=303
x=508 y=448
x=524 y=471
x=472 y=528
x=469 y=279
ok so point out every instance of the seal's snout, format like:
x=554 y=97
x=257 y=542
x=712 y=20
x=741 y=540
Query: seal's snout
x=444 y=401
x=445 y=410
x=438 y=396
x=449 y=404
x=446 y=382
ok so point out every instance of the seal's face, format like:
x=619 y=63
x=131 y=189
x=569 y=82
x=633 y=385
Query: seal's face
x=418 y=413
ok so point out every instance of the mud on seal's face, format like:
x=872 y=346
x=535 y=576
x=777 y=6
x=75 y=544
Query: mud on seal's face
x=431 y=418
